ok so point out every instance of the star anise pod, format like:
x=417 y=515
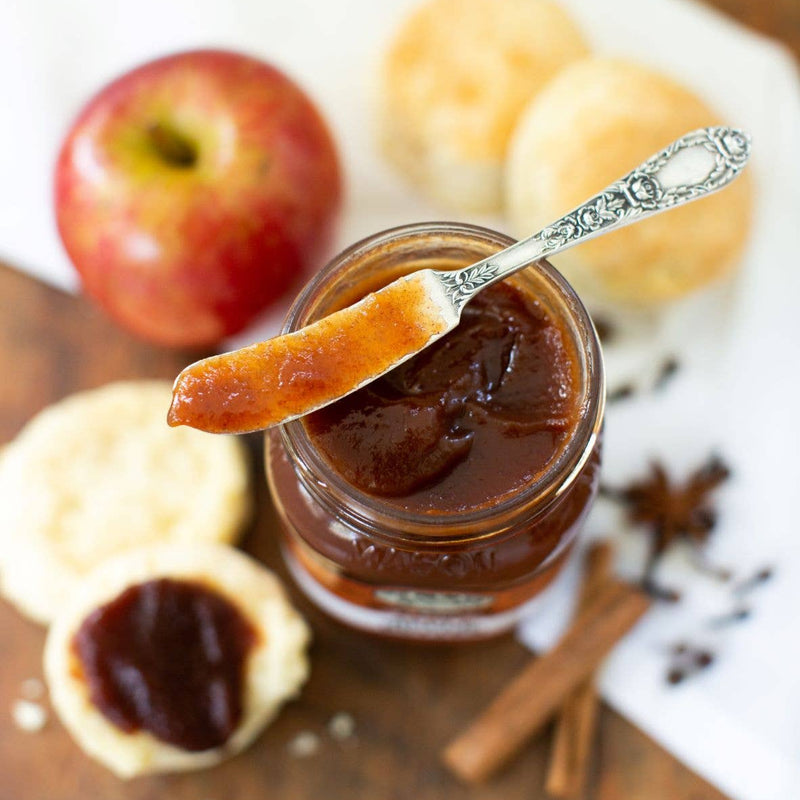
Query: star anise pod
x=672 y=511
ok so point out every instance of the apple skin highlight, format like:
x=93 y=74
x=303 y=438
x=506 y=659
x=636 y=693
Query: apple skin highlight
x=194 y=192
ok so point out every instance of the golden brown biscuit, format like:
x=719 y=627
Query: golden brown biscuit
x=596 y=121
x=275 y=668
x=101 y=471
x=454 y=80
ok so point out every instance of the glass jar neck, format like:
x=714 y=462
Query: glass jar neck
x=374 y=261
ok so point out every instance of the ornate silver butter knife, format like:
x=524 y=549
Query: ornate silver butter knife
x=694 y=166
x=291 y=375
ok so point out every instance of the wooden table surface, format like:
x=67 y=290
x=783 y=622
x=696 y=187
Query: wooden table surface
x=406 y=700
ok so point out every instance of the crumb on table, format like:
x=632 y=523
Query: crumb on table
x=29 y=716
x=341 y=726
x=304 y=744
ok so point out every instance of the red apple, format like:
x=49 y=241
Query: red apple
x=193 y=192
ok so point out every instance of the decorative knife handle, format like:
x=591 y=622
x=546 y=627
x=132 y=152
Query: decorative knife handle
x=642 y=191
x=693 y=166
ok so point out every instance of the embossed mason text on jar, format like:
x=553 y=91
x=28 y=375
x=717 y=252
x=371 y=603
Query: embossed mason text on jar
x=438 y=501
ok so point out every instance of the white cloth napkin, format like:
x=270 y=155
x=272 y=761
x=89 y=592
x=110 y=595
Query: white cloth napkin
x=735 y=394
x=736 y=391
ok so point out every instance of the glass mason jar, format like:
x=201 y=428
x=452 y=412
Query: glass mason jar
x=433 y=576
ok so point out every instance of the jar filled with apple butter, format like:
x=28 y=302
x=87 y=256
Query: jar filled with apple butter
x=437 y=502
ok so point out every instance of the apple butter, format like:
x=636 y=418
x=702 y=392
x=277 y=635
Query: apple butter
x=285 y=377
x=168 y=657
x=438 y=500
x=471 y=419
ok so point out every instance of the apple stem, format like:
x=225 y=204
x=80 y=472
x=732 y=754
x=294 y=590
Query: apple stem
x=173 y=148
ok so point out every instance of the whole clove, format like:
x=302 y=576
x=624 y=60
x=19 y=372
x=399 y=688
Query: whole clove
x=731 y=618
x=755 y=580
x=606 y=331
x=687 y=660
x=622 y=392
x=668 y=369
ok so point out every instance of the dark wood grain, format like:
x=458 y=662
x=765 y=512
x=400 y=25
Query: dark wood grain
x=406 y=700
x=779 y=19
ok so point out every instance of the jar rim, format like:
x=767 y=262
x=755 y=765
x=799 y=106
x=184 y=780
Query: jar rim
x=365 y=510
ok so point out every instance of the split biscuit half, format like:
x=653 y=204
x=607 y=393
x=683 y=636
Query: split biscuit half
x=454 y=80
x=100 y=472
x=275 y=667
x=595 y=122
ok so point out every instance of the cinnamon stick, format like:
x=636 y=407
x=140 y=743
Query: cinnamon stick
x=575 y=723
x=540 y=689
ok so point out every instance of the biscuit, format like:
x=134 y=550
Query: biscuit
x=274 y=670
x=594 y=123
x=453 y=82
x=101 y=471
